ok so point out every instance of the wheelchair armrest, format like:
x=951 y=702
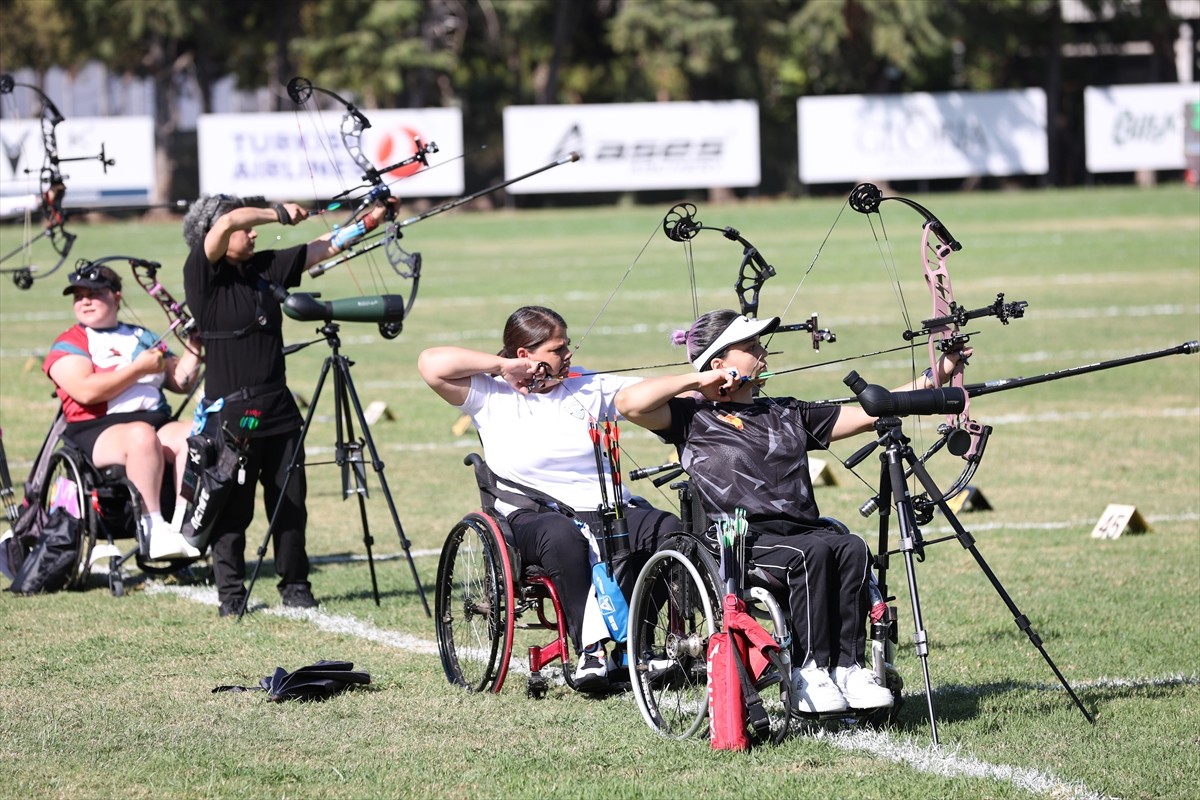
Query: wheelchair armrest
x=834 y=525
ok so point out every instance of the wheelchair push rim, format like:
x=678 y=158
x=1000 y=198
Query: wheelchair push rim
x=474 y=602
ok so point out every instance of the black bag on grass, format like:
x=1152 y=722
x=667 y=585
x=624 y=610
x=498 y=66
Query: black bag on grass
x=47 y=567
x=314 y=682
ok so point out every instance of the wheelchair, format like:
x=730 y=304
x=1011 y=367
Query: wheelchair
x=108 y=505
x=676 y=606
x=485 y=595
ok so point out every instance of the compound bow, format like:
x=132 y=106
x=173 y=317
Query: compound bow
x=52 y=189
x=961 y=435
x=354 y=122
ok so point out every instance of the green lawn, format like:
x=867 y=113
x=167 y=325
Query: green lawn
x=109 y=696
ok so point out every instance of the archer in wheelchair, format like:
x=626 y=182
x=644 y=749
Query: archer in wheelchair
x=544 y=497
x=747 y=455
x=118 y=432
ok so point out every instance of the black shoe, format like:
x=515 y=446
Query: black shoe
x=298 y=595
x=230 y=608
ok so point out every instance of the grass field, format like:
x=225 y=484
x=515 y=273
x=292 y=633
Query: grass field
x=107 y=696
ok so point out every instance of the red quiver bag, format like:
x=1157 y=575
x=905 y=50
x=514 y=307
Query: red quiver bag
x=737 y=658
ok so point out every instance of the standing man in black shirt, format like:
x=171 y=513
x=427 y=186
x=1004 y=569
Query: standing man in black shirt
x=230 y=292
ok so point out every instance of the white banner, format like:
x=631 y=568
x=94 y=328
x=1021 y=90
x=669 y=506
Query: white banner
x=127 y=141
x=300 y=156
x=914 y=136
x=1135 y=127
x=632 y=146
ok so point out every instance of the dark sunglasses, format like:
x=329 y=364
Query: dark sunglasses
x=90 y=274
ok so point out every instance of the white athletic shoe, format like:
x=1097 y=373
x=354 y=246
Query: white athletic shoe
x=166 y=544
x=815 y=692
x=860 y=688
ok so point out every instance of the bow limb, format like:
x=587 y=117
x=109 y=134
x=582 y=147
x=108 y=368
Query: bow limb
x=181 y=323
x=681 y=225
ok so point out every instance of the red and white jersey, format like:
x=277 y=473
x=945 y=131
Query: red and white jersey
x=108 y=349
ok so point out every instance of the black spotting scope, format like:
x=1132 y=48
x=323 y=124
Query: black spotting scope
x=879 y=402
x=385 y=309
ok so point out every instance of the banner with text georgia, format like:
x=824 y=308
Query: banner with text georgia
x=633 y=146
x=849 y=138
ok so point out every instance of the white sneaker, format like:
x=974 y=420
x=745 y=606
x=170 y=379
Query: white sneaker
x=815 y=692
x=166 y=544
x=861 y=689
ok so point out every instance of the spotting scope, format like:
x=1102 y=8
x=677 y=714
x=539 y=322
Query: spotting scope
x=387 y=310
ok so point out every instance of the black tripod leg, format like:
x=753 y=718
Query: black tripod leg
x=968 y=543
x=377 y=465
x=892 y=481
x=262 y=549
x=349 y=458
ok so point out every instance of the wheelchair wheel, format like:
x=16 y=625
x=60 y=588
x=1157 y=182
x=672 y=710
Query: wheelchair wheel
x=64 y=488
x=673 y=614
x=474 y=603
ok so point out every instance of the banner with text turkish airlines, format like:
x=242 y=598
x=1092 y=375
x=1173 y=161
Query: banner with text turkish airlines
x=1134 y=127
x=290 y=156
x=914 y=136
x=631 y=146
x=127 y=141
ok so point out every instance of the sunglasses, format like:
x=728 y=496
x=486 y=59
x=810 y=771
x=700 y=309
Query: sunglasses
x=92 y=274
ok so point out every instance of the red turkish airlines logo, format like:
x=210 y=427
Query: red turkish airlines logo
x=396 y=145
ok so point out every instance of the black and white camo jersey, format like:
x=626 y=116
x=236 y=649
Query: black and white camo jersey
x=752 y=456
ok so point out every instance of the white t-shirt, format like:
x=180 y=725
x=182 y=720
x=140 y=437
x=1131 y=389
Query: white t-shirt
x=542 y=440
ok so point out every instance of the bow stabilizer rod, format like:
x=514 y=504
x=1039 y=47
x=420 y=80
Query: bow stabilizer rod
x=567 y=159
x=1004 y=384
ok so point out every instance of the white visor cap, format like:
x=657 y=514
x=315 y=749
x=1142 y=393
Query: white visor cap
x=739 y=330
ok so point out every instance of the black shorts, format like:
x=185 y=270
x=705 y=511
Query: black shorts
x=83 y=435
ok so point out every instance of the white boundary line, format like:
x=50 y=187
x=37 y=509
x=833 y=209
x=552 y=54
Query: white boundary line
x=948 y=762
x=927 y=758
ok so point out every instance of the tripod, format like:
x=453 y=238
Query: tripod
x=898 y=453
x=348 y=455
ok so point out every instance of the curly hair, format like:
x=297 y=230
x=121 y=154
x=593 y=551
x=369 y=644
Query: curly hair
x=203 y=213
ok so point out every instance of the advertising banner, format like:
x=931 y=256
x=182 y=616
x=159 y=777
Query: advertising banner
x=300 y=156
x=848 y=138
x=127 y=141
x=1135 y=127
x=632 y=146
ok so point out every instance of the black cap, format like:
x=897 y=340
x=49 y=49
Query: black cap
x=93 y=278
